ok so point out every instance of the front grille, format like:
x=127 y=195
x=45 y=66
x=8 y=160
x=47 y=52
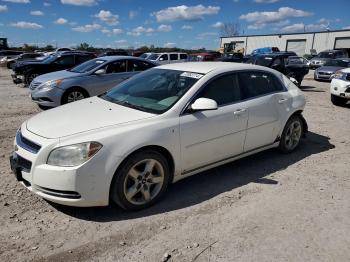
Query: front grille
x=325 y=73
x=26 y=143
x=34 y=85
x=58 y=193
x=24 y=164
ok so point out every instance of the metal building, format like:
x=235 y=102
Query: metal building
x=301 y=43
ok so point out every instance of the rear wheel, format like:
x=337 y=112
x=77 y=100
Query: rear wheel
x=141 y=180
x=73 y=95
x=291 y=134
x=338 y=101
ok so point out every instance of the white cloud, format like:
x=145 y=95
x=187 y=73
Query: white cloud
x=3 y=8
x=17 y=1
x=261 y=19
x=346 y=27
x=46 y=4
x=218 y=25
x=108 y=17
x=122 y=41
x=300 y=27
x=133 y=14
x=169 y=45
x=117 y=31
x=186 y=27
x=185 y=13
x=165 y=28
x=141 y=30
x=265 y=1
x=79 y=2
x=114 y=31
x=87 y=28
x=61 y=21
x=37 y=13
x=26 y=25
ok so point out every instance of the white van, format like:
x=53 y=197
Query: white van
x=168 y=58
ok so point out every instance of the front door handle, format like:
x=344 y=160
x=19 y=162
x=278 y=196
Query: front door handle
x=239 y=112
x=283 y=100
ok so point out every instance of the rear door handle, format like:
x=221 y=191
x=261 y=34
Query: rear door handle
x=281 y=101
x=239 y=112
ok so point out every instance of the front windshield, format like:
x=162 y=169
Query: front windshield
x=154 y=91
x=153 y=57
x=337 y=63
x=295 y=61
x=325 y=55
x=87 y=66
x=263 y=60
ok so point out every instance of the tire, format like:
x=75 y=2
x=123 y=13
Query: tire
x=29 y=78
x=74 y=94
x=292 y=134
x=44 y=107
x=338 y=101
x=137 y=175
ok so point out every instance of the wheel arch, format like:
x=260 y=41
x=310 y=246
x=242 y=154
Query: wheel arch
x=72 y=88
x=305 y=125
x=165 y=152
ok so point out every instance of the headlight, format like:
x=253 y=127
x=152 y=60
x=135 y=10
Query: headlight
x=50 y=84
x=340 y=75
x=73 y=155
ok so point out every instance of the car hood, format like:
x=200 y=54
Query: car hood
x=329 y=69
x=63 y=74
x=82 y=116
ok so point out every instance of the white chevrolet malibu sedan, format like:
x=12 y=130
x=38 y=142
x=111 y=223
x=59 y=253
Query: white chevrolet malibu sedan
x=156 y=128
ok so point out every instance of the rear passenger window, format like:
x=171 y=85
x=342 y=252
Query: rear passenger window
x=183 y=56
x=174 y=57
x=224 y=90
x=254 y=84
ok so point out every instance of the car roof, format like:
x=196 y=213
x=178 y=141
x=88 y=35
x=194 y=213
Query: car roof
x=121 y=57
x=206 y=67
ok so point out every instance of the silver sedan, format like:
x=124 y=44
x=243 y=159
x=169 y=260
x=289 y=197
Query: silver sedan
x=91 y=78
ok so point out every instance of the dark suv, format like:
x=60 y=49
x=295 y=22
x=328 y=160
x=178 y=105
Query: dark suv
x=25 y=72
x=281 y=61
x=325 y=56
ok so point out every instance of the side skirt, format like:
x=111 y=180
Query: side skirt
x=222 y=162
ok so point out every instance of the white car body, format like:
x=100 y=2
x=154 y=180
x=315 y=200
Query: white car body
x=195 y=142
x=168 y=58
x=341 y=87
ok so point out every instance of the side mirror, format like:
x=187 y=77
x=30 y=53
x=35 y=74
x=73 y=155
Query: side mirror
x=203 y=104
x=100 y=72
x=294 y=81
x=161 y=59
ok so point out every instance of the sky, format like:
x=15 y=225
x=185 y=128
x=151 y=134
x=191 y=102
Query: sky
x=188 y=24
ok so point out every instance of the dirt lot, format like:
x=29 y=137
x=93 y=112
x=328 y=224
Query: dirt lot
x=267 y=207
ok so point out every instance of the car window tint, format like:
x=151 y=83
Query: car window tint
x=116 y=67
x=65 y=60
x=173 y=56
x=183 y=56
x=255 y=84
x=165 y=57
x=223 y=90
x=134 y=66
x=81 y=59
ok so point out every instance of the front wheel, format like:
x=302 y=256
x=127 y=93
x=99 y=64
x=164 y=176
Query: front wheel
x=30 y=77
x=291 y=134
x=141 y=180
x=73 y=95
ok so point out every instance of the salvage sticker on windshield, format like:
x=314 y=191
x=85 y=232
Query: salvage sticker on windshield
x=192 y=75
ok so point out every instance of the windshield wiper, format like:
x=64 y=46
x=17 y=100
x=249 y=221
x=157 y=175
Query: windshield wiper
x=128 y=104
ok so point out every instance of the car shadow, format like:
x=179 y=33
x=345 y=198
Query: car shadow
x=310 y=89
x=208 y=184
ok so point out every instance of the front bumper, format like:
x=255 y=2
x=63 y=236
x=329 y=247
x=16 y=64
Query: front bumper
x=48 y=98
x=84 y=185
x=17 y=79
x=322 y=76
x=340 y=88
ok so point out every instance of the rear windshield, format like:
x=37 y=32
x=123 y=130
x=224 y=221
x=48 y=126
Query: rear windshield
x=326 y=55
x=263 y=60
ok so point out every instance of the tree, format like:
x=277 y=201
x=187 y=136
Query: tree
x=83 y=46
x=230 y=29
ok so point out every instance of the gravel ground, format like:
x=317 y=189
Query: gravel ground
x=267 y=207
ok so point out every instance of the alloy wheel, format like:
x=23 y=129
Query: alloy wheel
x=143 y=181
x=75 y=96
x=293 y=135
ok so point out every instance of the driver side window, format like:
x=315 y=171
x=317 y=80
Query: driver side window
x=116 y=67
x=65 y=60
